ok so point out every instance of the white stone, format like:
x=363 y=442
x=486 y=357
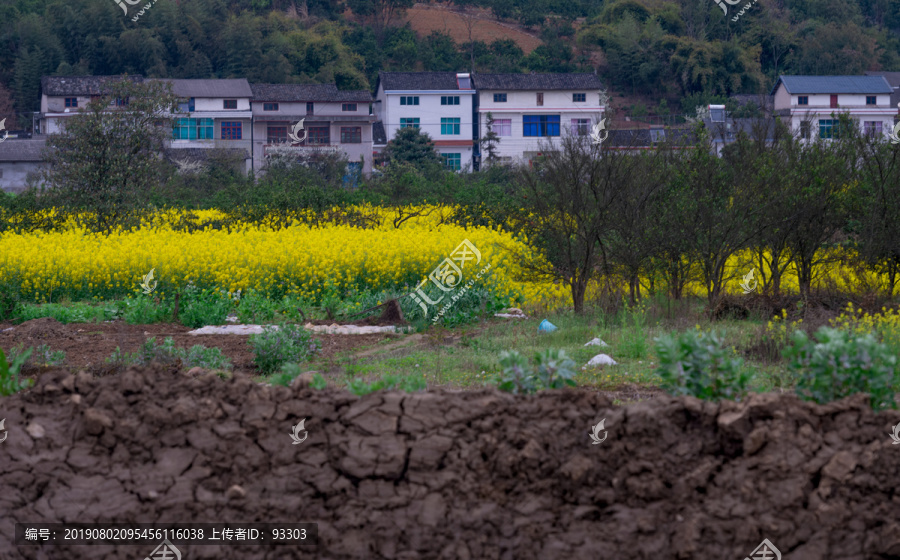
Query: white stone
x=35 y=430
x=597 y=342
x=602 y=360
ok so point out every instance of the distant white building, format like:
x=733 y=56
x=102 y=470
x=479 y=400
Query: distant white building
x=811 y=104
x=438 y=103
x=530 y=108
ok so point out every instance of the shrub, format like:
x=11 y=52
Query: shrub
x=9 y=374
x=167 y=353
x=407 y=383
x=276 y=346
x=255 y=308
x=289 y=372
x=143 y=310
x=43 y=356
x=204 y=307
x=552 y=370
x=8 y=305
x=839 y=364
x=698 y=364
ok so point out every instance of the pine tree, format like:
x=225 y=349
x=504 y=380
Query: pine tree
x=489 y=142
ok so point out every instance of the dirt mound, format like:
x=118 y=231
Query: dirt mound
x=42 y=330
x=477 y=475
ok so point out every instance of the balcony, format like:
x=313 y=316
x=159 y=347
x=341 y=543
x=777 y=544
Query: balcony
x=285 y=149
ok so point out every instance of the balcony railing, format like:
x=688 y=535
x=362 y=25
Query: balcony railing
x=288 y=149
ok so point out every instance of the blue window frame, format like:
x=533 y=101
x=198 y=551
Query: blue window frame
x=453 y=162
x=828 y=128
x=540 y=125
x=802 y=100
x=231 y=130
x=499 y=98
x=186 y=106
x=579 y=97
x=71 y=102
x=449 y=100
x=193 y=129
x=270 y=106
x=449 y=126
x=409 y=100
x=409 y=123
x=871 y=100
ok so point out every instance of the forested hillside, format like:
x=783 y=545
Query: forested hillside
x=683 y=50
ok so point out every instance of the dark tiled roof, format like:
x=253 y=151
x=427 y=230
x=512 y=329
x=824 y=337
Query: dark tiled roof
x=201 y=154
x=417 y=80
x=288 y=93
x=732 y=127
x=764 y=102
x=22 y=150
x=80 y=85
x=833 y=84
x=893 y=79
x=537 y=81
x=210 y=88
x=379 y=136
x=642 y=138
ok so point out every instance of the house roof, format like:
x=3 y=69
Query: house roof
x=307 y=92
x=833 y=84
x=417 y=80
x=764 y=102
x=81 y=85
x=731 y=127
x=893 y=79
x=22 y=150
x=641 y=138
x=379 y=136
x=537 y=81
x=210 y=88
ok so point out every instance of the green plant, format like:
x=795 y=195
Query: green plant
x=838 y=364
x=255 y=308
x=408 y=383
x=43 y=356
x=699 y=365
x=634 y=343
x=9 y=374
x=278 y=345
x=204 y=307
x=143 y=310
x=167 y=353
x=8 y=304
x=552 y=370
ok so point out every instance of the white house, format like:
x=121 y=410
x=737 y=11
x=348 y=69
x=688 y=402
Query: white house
x=530 y=108
x=63 y=96
x=437 y=103
x=333 y=120
x=811 y=104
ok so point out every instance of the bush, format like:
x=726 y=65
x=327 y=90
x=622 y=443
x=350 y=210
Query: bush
x=9 y=374
x=143 y=310
x=9 y=304
x=167 y=353
x=407 y=383
x=255 y=308
x=276 y=346
x=553 y=370
x=42 y=357
x=204 y=307
x=289 y=372
x=838 y=364
x=698 y=364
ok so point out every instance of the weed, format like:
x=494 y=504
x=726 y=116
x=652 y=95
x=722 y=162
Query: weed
x=698 y=364
x=255 y=308
x=634 y=342
x=276 y=346
x=9 y=374
x=167 y=353
x=43 y=356
x=552 y=370
x=204 y=307
x=291 y=371
x=408 y=383
x=144 y=310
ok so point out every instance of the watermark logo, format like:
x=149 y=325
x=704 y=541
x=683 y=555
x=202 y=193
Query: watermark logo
x=295 y=131
x=749 y=284
x=765 y=551
x=448 y=276
x=596 y=130
x=746 y=7
x=894 y=135
x=165 y=551
x=895 y=435
x=146 y=284
x=5 y=433
x=130 y=3
x=296 y=433
x=595 y=432
x=5 y=132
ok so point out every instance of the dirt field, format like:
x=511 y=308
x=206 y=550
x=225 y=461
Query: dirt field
x=470 y=475
x=425 y=18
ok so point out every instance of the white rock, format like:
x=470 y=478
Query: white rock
x=511 y=313
x=597 y=342
x=601 y=360
x=35 y=430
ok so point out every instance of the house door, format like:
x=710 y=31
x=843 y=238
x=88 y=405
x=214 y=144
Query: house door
x=834 y=101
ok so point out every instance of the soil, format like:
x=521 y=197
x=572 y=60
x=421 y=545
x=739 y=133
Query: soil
x=87 y=345
x=461 y=475
x=425 y=18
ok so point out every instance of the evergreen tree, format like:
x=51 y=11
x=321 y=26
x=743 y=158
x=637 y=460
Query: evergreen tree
x=489 y=142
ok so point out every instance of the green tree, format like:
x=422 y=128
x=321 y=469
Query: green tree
x=489 y=142
x=410 y=145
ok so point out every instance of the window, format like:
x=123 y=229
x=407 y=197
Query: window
x=449 y=100
x=540 y=125
x=579 y=97
x=409 y=123
x=71 y=102
x=499 y=98
x=348 y=107
x=540 y=99
x=409 y=99
x=318 y=136
x=351 y=135
x=717 y=114
x=871 y=100
x=186 y=106
x=276 y=134
x=452 y=162
x=805 y=129
x=503 y=127
x=871 y=128
x=802 y=100
x=827 y=128
x=231 y=130
x=193 y=129
x=657 y=135
x=449 y=126
x=309 y=107
x=270 y=106
x=121 y=102
x=229 y=103
x=581 y=127
x=834 y=103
